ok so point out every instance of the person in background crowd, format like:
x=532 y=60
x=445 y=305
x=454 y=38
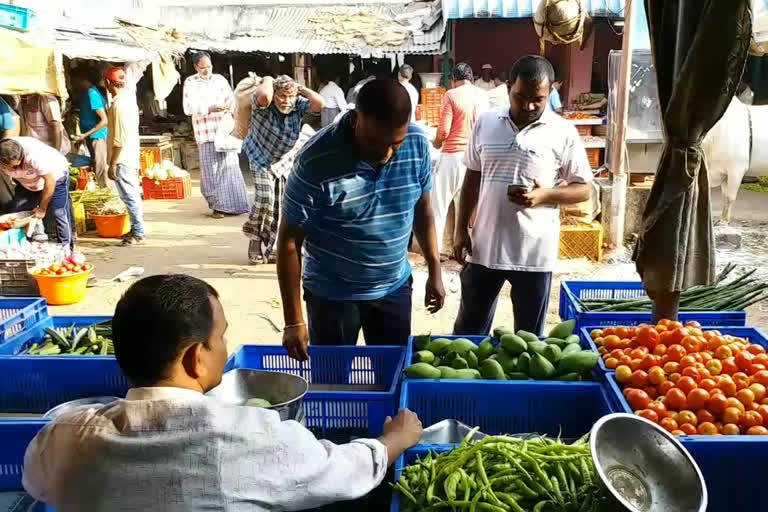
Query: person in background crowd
x=333 y=96
x=93 y=123
x=486 y=82
x=514 y=161
x=499 y=96
x=279 y=106
x=42 y=183
x=404 y=76
x=355 y=90
x=9 y=121
x=123 y=150
x=208 y=98
x=462 y=105
x=555 y=103
x=357 y=191
x=43 y=121
x=168 y=447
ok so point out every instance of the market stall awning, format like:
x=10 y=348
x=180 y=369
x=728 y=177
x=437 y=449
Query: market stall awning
x=116 y=43
x=369 y=29
x=26 y=68
x=459 y=9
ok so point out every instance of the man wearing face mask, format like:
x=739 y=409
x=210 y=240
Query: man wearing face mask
x=523 y=161
x=357 y=190
x=279 y=106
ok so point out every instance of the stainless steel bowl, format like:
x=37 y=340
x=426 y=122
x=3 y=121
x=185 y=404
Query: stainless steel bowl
x=283 y=390
x=94 y=401
x=644 y=468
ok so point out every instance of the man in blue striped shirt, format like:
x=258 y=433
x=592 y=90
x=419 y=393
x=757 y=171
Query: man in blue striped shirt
x=357 y=190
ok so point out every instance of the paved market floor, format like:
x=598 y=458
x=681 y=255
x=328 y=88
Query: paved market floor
x=182 y=238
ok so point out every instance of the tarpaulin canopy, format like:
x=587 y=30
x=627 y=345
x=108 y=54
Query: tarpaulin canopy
x=699 y=51
x=29 y=69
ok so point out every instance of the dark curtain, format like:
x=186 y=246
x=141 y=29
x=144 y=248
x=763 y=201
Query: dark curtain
x=699 y=51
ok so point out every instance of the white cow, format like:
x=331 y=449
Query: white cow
x=737 y=146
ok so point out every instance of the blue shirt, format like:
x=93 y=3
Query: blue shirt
x=357 y=220
x=272 y=134
x=7 y=116
x=554 y=100
x=90 y=102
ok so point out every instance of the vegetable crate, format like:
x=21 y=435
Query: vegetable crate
x=172 y=188
x=17 y=18
x=582 y=241
x=150 y=155
x=751 y=334
x=15 y=280
x=572 y=292
x=724 y=460
x=550 y=408
x=35 y=384
x=351 y=389
x=15 y=436
x=17 y=315
x=477 y=340
x=593 y=155
x=432 y=97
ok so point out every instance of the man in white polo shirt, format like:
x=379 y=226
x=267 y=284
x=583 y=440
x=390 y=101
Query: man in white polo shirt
x=522 y=163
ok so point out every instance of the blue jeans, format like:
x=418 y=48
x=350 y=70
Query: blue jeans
x=480 y=287
x=385 y=321
x=127 y=183
x=59 y=211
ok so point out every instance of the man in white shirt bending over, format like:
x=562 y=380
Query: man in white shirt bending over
x=486 y=82
x=404 y=76
x=522 y=163
x=168 y=447
x=335 y=103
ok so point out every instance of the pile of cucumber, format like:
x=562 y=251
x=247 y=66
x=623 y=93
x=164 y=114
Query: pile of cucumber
x=94 y=339
x=506 y=356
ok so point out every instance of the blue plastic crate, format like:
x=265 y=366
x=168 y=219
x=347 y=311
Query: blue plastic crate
x=570 y=291
x=35 y=384
x=338 y=415
x=476 y=340
x=15 y=17
x=750 y=334
x=18 y=315
x=15 y=435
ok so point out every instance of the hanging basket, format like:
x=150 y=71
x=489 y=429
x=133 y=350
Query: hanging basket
x=560 y=21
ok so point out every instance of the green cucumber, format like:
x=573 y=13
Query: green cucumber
x=541 y=368
x=578 y=362
x=58 y=339
x=461 y=346
x=460 y=363
x=570 y=348
x=446 y=372
x=472 y=360
x=420 y=342
x=573 y=338
x=556 y=341
x=468 y=374
x=498 y=332
x=536 y=347
x=524 y=363
x=439 y=346
x=517 y=376
x=552 y=353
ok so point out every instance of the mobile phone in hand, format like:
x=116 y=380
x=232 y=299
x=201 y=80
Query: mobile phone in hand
x=517 y=190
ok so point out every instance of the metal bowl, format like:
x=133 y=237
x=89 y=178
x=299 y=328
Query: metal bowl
x=644 y=468
x=283 y=390
x=93 y=401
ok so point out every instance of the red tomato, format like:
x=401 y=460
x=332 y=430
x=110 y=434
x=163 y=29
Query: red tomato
x=658 y=407
x=763 y=410
x=611 y=363
x=651 y=391
x=707 y=429
x=754 y=368
x=649 y=415
x=649 y=361
x=660 y=350
x=743 y=359
x=686 y=384
x=723 y=352
x=676 y=353
x=697 y=398
x=757 y=431
x=671 y=367
x=665 y=386
x=638 y=399
x=761 y=377
x=741 y=379
x=623 y=374
x=708 y=384
x=714 y=366
x=732 y=415
x=731 y=429
x=668 y=424
x=675 y=399
x=746 y=397
x=690 y=344
x=656 y=375
x=717 y=403
x=688 y=429
x=755 y=349
x=647 y=337
x=759 y=391
x=727 y=385
x=692 y=372
x=751 y=419
x=639 y=379
x=704 y=415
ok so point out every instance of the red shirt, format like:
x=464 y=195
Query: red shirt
x=460 y=110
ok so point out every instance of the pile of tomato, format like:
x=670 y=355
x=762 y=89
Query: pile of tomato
x=687 y=380
x=63 y=269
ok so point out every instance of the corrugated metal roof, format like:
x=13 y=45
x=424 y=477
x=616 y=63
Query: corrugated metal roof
x=367 y=30
x=457 y=9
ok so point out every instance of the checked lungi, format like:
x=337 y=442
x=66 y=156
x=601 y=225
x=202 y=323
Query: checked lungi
x=221 y=181
x=264 y=218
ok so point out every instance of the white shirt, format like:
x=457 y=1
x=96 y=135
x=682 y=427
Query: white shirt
x=486 y=86
x=498 y=96
x=333 y=96
x=172 y=449
x=414 y=94
x=507 y=236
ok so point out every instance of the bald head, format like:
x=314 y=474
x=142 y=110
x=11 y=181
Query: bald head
x=386 y=102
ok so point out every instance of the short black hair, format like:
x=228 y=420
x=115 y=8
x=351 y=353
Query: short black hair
x=155 y=319
x=462 y=71
x=10 y=151
x=503 y=76
x=406 y=71
x=198 y=56
x=386 y=101
x=532 y=69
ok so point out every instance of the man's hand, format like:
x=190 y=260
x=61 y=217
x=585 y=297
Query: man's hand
x=435 y=294
x=534 y=197
x=78 y=138
x=404 y=429
x=462 y=243
x=112 y=172
x=295 y=341
x=39 y=213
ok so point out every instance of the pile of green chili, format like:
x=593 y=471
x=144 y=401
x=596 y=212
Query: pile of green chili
x=501 y=473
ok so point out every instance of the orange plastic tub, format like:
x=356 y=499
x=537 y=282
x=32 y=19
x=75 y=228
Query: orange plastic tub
x=112 y=226
x=62 y=290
